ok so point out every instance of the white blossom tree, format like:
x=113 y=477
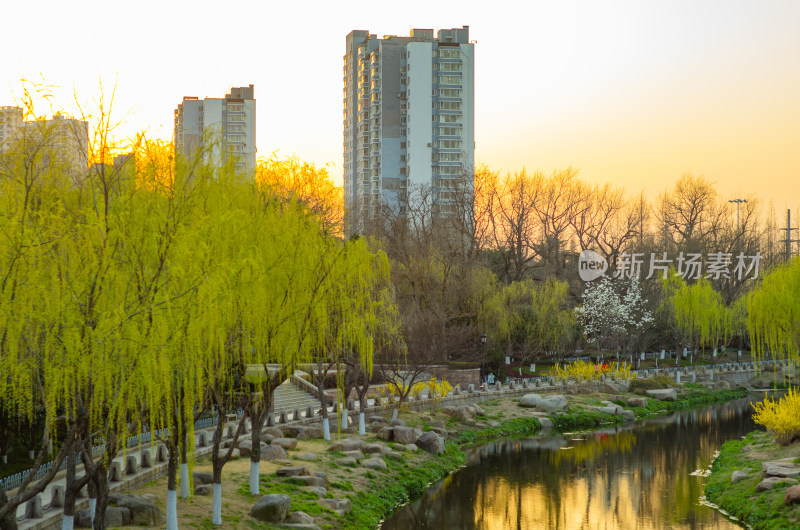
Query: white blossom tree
x=614 y=314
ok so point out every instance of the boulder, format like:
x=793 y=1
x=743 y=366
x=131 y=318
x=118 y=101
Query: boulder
x=547 y=404
x=115 y=517
x=792 y=495
x=273 y=452
x=315 y=432
x=246 y=448
x=462 y=413
x=769 y=483
x=291 y=471
x=302 y=436
x=347 y=461
x=394 y=455
x=443 y=432
x=663 y=394
x=358 y=455
x=477 y=410
x=201 y=477
x=340 y=506
x=397 y=422
x=203 y=490
x=609 y=388
x=431 y=442
x=738 y=475
x=299 y=518
x=373 y=448
x=780 y=468
x=275 y=432
x=291 y=431
x=547 y=423
x=310 y=480
x=305 y=456
x=405 y=435
x=374 y=463
x=629 y=415
x=348 y=444
x=613 y=410
x=637 y=402
x=319 y=491
x=286 y=443
x=411 y=448
x=436 y=424
x=143 y=512
x=272 y=508
x=386 y=433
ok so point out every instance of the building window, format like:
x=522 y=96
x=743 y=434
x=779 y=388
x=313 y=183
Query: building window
x=448 y=53
x=450 y=67
x=449 y=118
x=449 y=131
x=450 y=144
x=450 y=105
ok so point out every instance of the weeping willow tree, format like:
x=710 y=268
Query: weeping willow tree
x=773 y=313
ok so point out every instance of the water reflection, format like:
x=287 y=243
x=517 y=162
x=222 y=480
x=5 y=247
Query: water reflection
x=631 y=477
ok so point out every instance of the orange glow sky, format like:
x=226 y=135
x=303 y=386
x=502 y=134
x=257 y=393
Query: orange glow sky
x=634 y=93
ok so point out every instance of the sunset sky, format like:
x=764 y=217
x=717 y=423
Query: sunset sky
x=634 y=93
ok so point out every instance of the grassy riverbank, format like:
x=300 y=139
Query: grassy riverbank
x=763 y=510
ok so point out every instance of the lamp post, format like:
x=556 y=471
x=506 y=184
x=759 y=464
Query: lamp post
x=738 y=203
x=483 y=356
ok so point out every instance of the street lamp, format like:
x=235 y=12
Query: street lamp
x=738 y=202
x=483 y=356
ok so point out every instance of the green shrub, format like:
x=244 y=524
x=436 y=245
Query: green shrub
x=639 y=386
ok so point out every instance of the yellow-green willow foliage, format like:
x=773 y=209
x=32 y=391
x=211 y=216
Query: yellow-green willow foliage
x=773 y=313
x=698 y=312
x=532 y=317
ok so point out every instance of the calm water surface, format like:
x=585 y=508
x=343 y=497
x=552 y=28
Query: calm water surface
x=632 y=477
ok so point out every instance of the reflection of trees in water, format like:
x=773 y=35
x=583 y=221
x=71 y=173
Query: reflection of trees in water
x=629 y=477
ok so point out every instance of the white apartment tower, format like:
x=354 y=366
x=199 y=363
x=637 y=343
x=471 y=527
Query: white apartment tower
x=408 y=118
x=222 y=127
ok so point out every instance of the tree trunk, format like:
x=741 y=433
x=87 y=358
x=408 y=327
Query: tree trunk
x=172 y=483
x=101 y=483
x=257 y=417
x=9 y=522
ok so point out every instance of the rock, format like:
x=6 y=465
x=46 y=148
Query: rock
x=246 y=448
x=348 y=444
x=405 y=435
x=792 y=495
x=315 y=432
x=443 y=432
x=547 y=423
x=235 y=455
x=663 y=394
x=310 y=480
x=722 y=385
x=291 y=471
x=203 y=489
x=348 y=461
x=769 y=483
x=373 y=448
x=273 y=452
x=299 y=518
x=629 y=415
x=609 y=410
x=319 y=491
x=305 y=456
x=272 y=508
x=738 y=475
x=340 y=506
x=291 y=431
x=431 y=442
x=637 y=402
x=286 y=443
x=374 y=463
x=143 y=512
x=150 y=497
x=397 y=423
x=200 y=478
x=83 y=519
x=609 y=388
x=377 y=419
x=477 y=410
x=546 y=404
x=358 y=455
x=436 y=424
x=376 y=427
x=267 y=438
x=302 y=436
x=780 y=468
x=394 y=455
x=411 y=448
x=275 y=432
x=117 y=517
x=462 y=413
x=385 y=433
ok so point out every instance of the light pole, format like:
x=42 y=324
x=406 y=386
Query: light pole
x=483 y=356
x=738 y=203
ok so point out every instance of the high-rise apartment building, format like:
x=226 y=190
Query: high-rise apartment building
x=408 y=119
x=60 y=142
x=221 y=127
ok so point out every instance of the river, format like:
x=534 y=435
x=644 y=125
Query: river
x=637 y=476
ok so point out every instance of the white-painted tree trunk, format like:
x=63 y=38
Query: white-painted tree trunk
x=31 y=454
x=678 y=376
x=216 y=505
x=254 y=475
x=172 y=510
x=67 y=523
x=92 y=508
x=326 y=429
x=344 y=417
x=184 y=481
x=362 y=424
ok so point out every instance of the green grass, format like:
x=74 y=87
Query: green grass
x=507 y=428
x=762 y=510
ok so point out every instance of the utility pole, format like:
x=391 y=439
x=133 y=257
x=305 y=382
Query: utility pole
x=789 y=239
x=738 y=203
